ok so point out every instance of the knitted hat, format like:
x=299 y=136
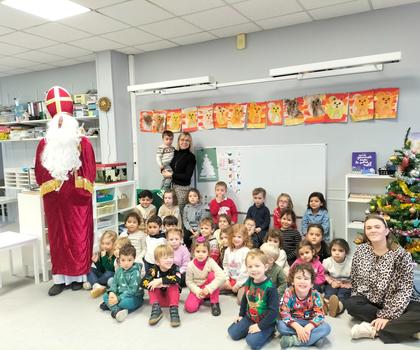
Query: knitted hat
x=58 y=100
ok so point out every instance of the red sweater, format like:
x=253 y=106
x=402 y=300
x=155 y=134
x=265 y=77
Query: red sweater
x=226 y=206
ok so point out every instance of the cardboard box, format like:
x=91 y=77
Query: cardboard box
x=108 y=173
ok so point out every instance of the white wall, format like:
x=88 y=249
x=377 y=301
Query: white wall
x=394 y=29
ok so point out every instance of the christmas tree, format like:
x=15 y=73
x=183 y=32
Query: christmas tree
x=400 y=206
x=207 y=169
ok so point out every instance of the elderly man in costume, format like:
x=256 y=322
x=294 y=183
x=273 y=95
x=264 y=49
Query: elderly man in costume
x=65 y=170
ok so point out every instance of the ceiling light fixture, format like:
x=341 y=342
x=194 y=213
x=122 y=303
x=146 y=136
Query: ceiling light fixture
x=52 y=10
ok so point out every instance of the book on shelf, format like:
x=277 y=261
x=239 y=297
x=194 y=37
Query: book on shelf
x=363 y=162
x=361 y=195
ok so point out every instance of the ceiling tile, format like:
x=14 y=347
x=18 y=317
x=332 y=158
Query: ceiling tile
x=129 y=50
x=4 y=30
x=379 y=4
x=26 y=40
x=340 y=10
x=6 y=49
x=313 y=4
x=16 y=62
x=259 y=9
x=18 y=71
x=194 y=38
x=234 y=1
x=16 y=19
x=284 y=21
x=183 y=7
x=93 y=22
x=171 y=28
x=97 y=44
x=131 y=37
x=39 y=56
x=39 y=67
x=216 y=18
x=234 y=30
x=136 y=12
x=68 y=51
x=87 y=58
x=64 y=63
x=96 y=4
x=58 y=32
x=158 y=45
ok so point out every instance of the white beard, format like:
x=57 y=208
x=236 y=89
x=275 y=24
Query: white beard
x=61 y=153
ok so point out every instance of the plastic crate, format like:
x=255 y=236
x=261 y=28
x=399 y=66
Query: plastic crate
x=105 y=209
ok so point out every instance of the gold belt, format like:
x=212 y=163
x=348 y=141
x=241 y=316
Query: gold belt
x=79 y=182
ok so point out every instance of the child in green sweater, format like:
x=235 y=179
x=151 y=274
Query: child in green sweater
x=275 y=272
x=124 y=295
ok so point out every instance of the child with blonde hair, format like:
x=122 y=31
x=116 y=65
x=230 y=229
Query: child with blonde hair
x=284 y=201
x=275 y=238
x=204 y=278
x=274 y=271
x=104 y=269
x=170 y=206
x=193 y=212
x=182 y=255
x=137 y=238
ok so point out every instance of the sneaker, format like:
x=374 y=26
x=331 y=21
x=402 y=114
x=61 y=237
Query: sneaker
x=363 y=330
x=98 y=291
x=215 y=309
x=121 y=315
x=325 y=305
x=103 y=306
x=76 y=285
x=173 y=312
x=287 y=341
x=156 y=314
x=114 y=312
x=56 y=289
x=335 y=306
x=87 y=285
x=320 y=342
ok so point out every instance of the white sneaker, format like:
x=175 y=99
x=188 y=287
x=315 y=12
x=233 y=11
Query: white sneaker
x=121 y=315
x=87 y=285
x=363 y=330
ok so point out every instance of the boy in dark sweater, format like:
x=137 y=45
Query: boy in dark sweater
x=260 y=213
x=259 y=306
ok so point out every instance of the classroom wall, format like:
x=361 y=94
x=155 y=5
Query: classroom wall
x=393 y=29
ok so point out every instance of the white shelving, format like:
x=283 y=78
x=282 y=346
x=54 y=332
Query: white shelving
x=364 y=187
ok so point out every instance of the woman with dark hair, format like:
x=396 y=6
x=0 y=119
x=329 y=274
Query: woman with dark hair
x=382 y=279
x=182 y=164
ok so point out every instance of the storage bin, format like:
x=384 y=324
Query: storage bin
x=108 y=173
x=123 y=201
x=105 y=209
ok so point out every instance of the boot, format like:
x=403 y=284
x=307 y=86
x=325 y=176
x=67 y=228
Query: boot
x=173 y=312
x=215 y=309
x=156 y=314
x=56 y=289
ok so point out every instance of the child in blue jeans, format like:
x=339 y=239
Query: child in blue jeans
x=302 y=317
x=124 y=295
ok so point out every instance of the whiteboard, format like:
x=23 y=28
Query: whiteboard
x=296 y=169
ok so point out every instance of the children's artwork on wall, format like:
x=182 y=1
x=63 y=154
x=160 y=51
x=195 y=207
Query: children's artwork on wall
x=386 y=102
x=257 y=115
x=237 y=114
x=220 y=115
x=336 y=107
x=275 y=112
x=189 y=119
x=313 y=109
x=205 y=117
x=173 y=120
x=146 y=121
x=361 y=105
x=292 y=111
x=159 y=119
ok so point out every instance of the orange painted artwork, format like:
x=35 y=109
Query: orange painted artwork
x=336 y=107
x=189 y=119
x=159 y=119
x=275 y=112
x=173 y=120
x=313 y=109
x=257 y=115
x=146 y=121
x=205 y=117
x=221 y=115
x=237 y=115
x=293 y=111
x=361 y=105
x=386 y=103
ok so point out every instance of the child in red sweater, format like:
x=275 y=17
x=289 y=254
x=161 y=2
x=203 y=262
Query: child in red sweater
x=222 y=204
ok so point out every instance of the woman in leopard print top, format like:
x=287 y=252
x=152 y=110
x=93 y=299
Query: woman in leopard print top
x=383 y=287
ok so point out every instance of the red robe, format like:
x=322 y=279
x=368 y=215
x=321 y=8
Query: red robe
x=69 y=213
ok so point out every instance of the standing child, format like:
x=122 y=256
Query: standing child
x=124 y=295
x=222 y=204
x=223 y=223
x=275 y=238
x=337 y=274
x=251 y=226
x=206 y=230
x=154 y=238
x=302 y=318
x=194 y=211
x=137 y=238
x=260 y=213
x=259 y=304
x=145 y=209
x=306 y=252
x=315 y=235
x=204 y=278
x=181 y=254
x=224 y=244
x=284 y=201
x=99 y=275
x=317 y=213
x=170 y=206
x=291 y=236
x=274 y=271
x=164 y=155
x=162 y=282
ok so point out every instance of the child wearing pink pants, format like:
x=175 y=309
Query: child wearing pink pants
x=204 y=278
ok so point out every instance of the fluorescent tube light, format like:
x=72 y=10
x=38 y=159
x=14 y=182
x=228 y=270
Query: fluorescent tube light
x=51 y=10
x=342 y=71
x=179 y=90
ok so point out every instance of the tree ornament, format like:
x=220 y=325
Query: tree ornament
x=372 y=208
x=412 y=210
x=104 y=104
x=404 y=163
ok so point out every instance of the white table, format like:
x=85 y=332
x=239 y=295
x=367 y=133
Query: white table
x=10 y=240
x=3 y=202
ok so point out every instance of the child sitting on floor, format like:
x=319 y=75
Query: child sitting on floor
x=182 y=255
x=274 y=271
x=137 y=238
